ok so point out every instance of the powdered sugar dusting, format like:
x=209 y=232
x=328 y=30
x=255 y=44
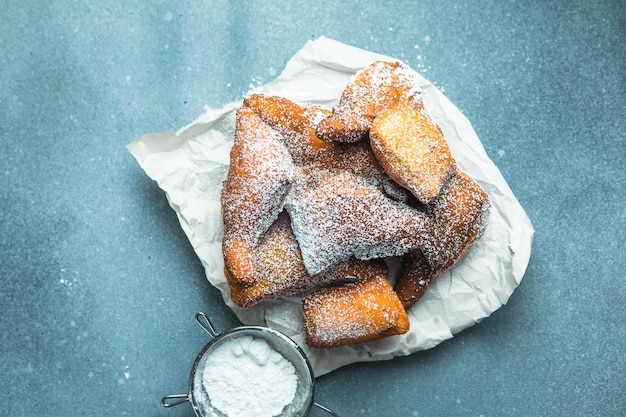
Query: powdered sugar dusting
x=281 y=270
x=353 y=313
x=370 y=91
x=296 y=126
x=460 y=213
x=345 y=205
x=258 y=178
x=412 y=150
x=257 y=183
x=337 y=214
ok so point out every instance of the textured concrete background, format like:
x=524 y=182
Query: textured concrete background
x=99 y=286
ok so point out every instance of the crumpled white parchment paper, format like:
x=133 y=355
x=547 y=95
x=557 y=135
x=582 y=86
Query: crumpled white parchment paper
x=191 y=164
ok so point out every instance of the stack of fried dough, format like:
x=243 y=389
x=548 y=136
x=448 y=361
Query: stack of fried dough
x=316 y=201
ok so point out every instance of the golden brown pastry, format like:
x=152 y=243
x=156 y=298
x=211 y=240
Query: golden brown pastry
x=335 y=215
x=315 y=200
x=353 y=313
x=281 y=272
x=460 y=215
x=412 y=150
x=369 y=92
x=416 y=275
x=260 y=172
x=296 y=125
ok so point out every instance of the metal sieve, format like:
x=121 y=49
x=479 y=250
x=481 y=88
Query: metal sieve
x=303 y=399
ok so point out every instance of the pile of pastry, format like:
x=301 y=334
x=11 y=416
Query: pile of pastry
x=317 y=201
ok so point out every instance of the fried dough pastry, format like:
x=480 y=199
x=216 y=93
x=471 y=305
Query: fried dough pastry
x=353 y=313
x=296 y=125
x=281 y=271
x=416 y=275
x=412 y=150
x=460 y=215
x=315 y=200
x=369 y=92
x=336 y=214
x=260 y=172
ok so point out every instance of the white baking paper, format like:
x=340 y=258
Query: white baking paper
x=191 y=164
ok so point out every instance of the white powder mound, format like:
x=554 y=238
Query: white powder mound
x=245 y=377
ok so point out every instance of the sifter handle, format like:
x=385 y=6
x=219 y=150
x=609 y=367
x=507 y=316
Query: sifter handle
x=328 y=410
x=174 y=399
x=203 y=320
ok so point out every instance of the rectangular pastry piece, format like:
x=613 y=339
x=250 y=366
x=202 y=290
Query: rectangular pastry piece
x=353 y=313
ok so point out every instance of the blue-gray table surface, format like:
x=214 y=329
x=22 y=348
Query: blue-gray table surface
x=99 y=285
